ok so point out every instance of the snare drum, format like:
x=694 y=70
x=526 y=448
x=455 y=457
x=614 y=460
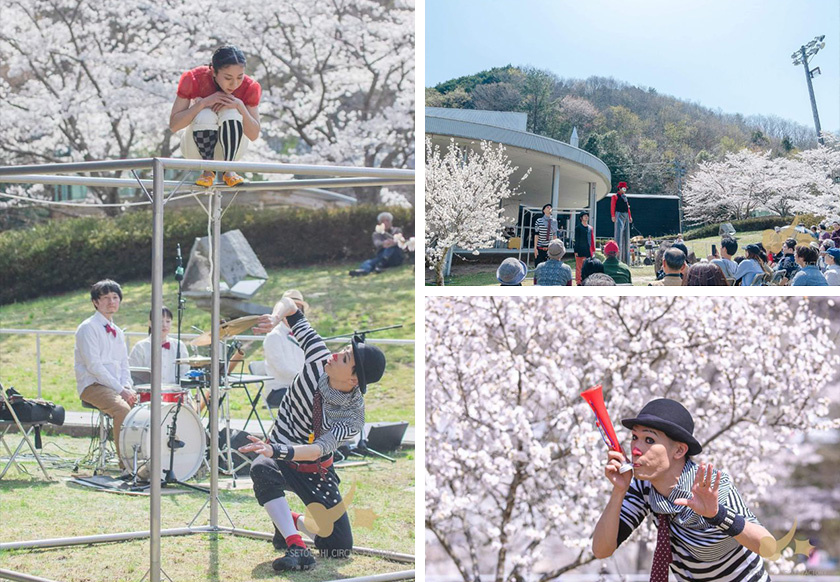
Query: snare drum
x=135 y=432
x=168 y=393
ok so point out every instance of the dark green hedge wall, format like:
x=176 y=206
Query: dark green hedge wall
x=65 y=255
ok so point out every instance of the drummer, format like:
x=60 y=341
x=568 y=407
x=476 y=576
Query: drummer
x=141 y=354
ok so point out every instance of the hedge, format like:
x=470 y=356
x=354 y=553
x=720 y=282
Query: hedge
x=752 y=223
x=66 y=255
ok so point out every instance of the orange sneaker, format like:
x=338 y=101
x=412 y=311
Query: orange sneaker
x=232 y=179
x=206 y=179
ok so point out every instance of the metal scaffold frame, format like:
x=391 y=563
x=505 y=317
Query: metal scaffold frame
x=325 y=177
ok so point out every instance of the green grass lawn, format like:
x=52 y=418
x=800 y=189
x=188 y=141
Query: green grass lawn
x=339 y=304
x=485 y=274
x=32 y=508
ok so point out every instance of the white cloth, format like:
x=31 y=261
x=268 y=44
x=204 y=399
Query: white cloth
x=141 y=355
x=100 y=358
x=832 y=274
x=284 y=357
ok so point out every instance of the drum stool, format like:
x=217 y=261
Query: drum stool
x=104 y=429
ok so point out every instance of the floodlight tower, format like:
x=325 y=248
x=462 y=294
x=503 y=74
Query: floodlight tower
x=801 y=57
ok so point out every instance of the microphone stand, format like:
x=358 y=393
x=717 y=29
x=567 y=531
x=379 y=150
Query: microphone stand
x=173 y=443
x=179 y=276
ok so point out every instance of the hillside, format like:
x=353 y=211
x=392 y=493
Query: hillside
x=643 y=136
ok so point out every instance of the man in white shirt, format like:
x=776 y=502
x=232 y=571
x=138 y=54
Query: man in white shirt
x=284 y=357
x=101 y=358
x=728 y=248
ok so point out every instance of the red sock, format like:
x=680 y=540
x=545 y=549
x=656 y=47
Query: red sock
x=295 y=540
x=296 y=516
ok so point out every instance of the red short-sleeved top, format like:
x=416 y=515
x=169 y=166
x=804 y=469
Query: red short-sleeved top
x=199 y=82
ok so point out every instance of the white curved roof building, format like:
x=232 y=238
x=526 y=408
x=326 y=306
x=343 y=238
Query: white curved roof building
x=569 y=178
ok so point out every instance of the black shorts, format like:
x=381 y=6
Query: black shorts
x=273 y=478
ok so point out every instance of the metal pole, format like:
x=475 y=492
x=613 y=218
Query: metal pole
x=98 y=166
x=157 y=305
x=21 y=577
x=38 y=360
x=100 y=539
x=215 y=253
x=811 y=93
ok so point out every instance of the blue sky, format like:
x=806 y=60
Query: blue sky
x=732 y=55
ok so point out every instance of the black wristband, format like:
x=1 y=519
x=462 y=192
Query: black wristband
x=728 y=521
x=282 y=452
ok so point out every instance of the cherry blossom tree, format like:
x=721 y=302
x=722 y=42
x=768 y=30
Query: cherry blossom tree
x=747 y=181
x=816 y=179
x=730 y=189
x=514 y=462
x=87 y=80
x=464 y=190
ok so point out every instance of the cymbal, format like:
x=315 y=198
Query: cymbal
x=195 y=361
x=228 y=329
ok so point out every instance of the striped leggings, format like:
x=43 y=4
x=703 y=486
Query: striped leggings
x=215 y=136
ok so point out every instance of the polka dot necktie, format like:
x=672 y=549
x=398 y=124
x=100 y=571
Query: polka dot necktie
x=317 y=413
x=662 y=554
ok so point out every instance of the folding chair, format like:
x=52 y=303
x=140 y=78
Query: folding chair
x=25 y=428
x=257 y=368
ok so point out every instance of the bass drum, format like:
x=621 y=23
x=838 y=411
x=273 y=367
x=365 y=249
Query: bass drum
x=135 y=432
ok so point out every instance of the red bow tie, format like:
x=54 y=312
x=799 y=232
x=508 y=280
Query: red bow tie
x=165 y=345
x=111 y=330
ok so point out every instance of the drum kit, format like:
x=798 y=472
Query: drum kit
x=183 y=435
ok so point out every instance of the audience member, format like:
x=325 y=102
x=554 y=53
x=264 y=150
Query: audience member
x=673 y=266
x=598 y=280
x=704 y=274
x=553 y=271
x=618 y=271
x=590 y=266
x=511 y=272
x=754 y=264
x=728 y=248
x=832 y=270
x=809 y=274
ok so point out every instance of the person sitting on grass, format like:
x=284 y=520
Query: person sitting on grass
x=388 y=251
x=219 y=107
x=618 y=271
x=809 y=274
x=553 y=271
x=511 y=272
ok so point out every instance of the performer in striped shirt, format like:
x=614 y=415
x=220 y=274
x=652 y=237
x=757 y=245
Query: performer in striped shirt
x=705 y=531
x=545 y=229
x=323 y=406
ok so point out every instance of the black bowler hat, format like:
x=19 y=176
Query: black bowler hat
x=670 y=417
x=370 y=362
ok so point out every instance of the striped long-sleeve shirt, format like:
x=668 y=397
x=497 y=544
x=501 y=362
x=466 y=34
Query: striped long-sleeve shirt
x=700 y=551
x=546 y=229
x=343 y=412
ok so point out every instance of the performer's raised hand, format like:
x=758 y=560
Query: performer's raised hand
x=282 y=309
x=620 y=481
x=704 y=492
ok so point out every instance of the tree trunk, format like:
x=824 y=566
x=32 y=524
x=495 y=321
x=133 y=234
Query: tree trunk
x=439 y=267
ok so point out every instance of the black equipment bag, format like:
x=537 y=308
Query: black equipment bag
x=28 y=410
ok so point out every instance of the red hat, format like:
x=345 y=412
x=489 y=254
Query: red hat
x=611 y=248
x=622 y=185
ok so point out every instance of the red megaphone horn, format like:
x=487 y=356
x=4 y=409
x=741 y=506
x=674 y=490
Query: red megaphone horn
x=595 y=397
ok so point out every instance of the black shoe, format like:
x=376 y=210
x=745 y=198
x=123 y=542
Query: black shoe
x=358 y=273
x=296 y=558
x=278 y=541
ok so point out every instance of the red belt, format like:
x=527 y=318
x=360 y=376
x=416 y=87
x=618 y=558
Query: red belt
x=319 y=466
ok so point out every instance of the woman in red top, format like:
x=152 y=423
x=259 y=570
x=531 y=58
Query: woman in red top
x=219 y=106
